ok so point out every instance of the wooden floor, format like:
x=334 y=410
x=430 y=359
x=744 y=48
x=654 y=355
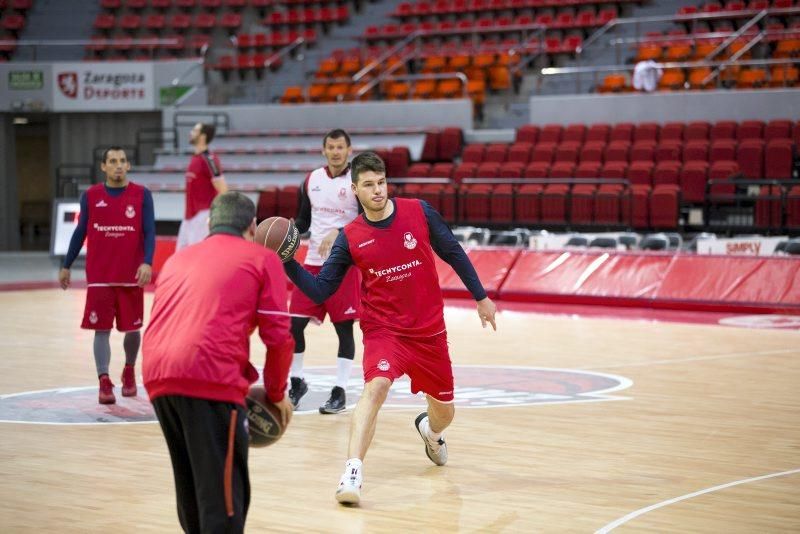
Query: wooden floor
x=710 y=411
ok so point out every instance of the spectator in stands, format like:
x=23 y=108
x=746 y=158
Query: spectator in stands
x=327 y=203
x=117 y=219
x=646 y=75
x=204 y=181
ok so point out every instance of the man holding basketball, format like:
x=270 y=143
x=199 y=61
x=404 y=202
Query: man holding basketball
x=327 y=204
x=392 y=245
x=204 y=181
x=196 y=361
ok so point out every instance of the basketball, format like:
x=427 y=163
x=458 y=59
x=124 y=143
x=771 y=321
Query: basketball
x=278 y=234
x=263 y=419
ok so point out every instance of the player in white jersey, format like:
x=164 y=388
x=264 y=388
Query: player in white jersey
x=327 y=205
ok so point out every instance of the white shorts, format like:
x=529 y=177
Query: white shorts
x=193 y=230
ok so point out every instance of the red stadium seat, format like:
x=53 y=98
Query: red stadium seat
x=543 y=153
x=750 y=156
x=778 y=129
x=475 y=203
x=768 y=208
x=643 y=151
x=723 y=130
x=669 y=150
x=640 y=173
x=588 y=169
x=562 y=169
x=551 y=133
x=496 y=153
x=581 y=204
x=536 y=169
x=693 y=179
x=750 y=130
x=646 y=131
x=617 y=151
x=527 y=204
x=511 y=169
x=528 y=134
x=488 y=169
x=419 y=170
x=778 y=157
x=465 y=170
x=664 y=204
x=615 y=170
x=671 y=131
x=598 y=132
x=501 y=204
x=288 y=201
x=622 y=132
x=695 y=150
x=554 y=204
x=592 y=151
x=696 y=131
x=520 y=152
x=722 y=150
x=666 y=172
x=267 y=203
x=567 y=151
x=450 y=142
x=636 y=207
x=607 y=204
x=473 y=153
x=574 y=133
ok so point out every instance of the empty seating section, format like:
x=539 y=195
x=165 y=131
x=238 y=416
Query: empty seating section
x=164 y=29
x=697 y=36
x=13 y=16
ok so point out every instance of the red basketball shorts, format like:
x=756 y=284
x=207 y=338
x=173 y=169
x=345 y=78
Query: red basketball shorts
x=426 y=361
x=105 y=304
x=343 y=305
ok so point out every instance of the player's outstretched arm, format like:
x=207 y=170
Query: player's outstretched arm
x=319 y=288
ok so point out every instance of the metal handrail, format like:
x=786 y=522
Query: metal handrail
x=283 y=52
x=733 y=59
x=560 y=71
x=440 y=76
x=413 y=36
x=727 y=42
x=697 y=17
x=689 y=37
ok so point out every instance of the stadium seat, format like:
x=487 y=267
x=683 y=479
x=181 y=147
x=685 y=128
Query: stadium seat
x=778 y=157
x=664 y=204
x=640 y=173
x=693 y=179
x=750 y=156
x=501 y=207
x=581 y=204
x=667 y=172
x=527 y=204
x=554 y=204
x=607 y=204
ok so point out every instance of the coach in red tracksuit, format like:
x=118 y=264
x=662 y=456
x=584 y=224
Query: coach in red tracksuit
x=208 y=300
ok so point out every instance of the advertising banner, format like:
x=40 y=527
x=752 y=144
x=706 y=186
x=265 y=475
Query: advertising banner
x=112 y=86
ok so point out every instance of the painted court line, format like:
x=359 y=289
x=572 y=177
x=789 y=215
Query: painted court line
x=622 y=520
x=695 y=359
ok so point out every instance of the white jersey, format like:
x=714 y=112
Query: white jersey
x=333 y=205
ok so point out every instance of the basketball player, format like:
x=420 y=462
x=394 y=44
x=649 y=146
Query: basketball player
x=392 y=244
x=327 y=204
x=118 y=222
x=204 y=181
x=196 y=361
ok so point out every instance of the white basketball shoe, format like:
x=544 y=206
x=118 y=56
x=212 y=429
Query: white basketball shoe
x=349 y=490
x=436 y=450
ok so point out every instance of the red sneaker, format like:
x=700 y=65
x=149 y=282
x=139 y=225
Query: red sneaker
x=106 y=395
x=128 y=381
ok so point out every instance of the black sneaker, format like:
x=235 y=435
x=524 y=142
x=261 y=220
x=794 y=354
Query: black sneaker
x=297 y=390
x=336 y=403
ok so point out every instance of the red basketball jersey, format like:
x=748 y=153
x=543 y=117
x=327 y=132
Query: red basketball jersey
x=200 y=192
x=400 y=286
x=115 y=240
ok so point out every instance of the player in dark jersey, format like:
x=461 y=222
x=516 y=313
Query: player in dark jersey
x=392 y=243
x=117 y=219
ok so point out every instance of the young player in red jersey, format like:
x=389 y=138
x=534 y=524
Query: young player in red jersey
x=393 y=244
x=204 y=181
x=118 y=220
x=327 y=204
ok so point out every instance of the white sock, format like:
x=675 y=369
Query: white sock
x=433 y=436
x=297 y=366
x=343 y=366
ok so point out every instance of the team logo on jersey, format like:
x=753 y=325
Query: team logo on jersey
x=349 y=311
x=316 y=188
x=342 y=193
x=93 y=317
x=478 y=386
x=383 y=365
x=101 y=204
x=130 y=212
x=68 y=83
x=409 y=242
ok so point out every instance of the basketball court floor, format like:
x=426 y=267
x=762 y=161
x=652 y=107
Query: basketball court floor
x=568 y=420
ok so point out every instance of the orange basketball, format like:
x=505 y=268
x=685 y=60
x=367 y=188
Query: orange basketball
x=279 y=234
